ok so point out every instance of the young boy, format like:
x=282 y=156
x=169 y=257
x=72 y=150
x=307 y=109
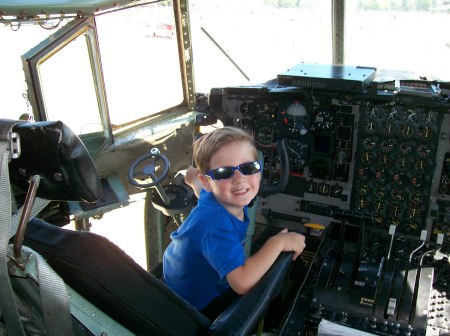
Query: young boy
x=206 y=255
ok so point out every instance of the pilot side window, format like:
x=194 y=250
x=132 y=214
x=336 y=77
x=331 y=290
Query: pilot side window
x=140 y=61
x=68 y=88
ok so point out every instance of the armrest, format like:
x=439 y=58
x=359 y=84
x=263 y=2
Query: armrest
x=244 y=314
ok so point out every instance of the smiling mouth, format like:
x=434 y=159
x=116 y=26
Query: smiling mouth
x=240 y=192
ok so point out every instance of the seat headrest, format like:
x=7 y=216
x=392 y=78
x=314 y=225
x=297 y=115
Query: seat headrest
x=53 y=151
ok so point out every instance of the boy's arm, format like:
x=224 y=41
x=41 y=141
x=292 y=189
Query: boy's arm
x=246 y=276
x=193 y=181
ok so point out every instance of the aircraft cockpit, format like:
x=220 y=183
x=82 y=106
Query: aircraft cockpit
x=347 y=101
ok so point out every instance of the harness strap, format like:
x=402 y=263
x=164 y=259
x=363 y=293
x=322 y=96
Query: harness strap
x=53 y=293
x=8 y=307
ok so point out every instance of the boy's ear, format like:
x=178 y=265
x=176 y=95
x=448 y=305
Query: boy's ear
x=205 y=181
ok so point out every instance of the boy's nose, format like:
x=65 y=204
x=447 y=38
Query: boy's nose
x=238 y=175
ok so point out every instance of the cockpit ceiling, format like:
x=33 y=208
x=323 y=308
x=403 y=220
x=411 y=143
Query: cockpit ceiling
x=30 y=8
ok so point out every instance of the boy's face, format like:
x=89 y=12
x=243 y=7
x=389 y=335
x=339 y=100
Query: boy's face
x=237 y=191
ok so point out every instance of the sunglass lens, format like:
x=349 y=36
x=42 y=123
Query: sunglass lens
x=222 y=173
x=250 y=168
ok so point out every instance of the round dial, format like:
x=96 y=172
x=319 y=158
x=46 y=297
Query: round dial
x=392 y=113
x=407 y=131
x=369 y=142
x=296 y=109
x=410 y=115
x=424 y=151
x=402 y=162
x=295 y=118
x=245 y=109
x=426 y=133
x=323 y=119
x=406 y=147
x=375 y=112
x=370 y=126
x=429 y=117
x=265 y=135
x=421 y=166
x=366 y=158
x=384 y=160
x=389 y=128
x=297 y=152
x=388 y=145
x=264 y=111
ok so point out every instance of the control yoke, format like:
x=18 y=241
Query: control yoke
x=280 y=146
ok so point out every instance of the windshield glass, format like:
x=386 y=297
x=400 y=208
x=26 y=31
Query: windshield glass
x=140 y=61
x=266 y=37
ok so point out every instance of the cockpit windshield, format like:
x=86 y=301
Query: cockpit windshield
x=242 y=43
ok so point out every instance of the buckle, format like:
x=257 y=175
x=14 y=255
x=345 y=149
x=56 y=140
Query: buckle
x=14 y=145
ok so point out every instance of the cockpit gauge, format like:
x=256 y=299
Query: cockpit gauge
x=406 y=147
x=323 y=119
x=370 y=126
x=410 y=116
x=426 y=133
x=375 y=112
x=295 y=118
x=265 y=111
x=429 y=117
x=245 y=109
x=369 y=142
x=421 y=166
x=424 y=151
x=320 y=168
x=388 y=145
x=366 y=158
x=298 y=152
x=384 y=160
x=389 y=128
x=392 y=113
x=408 y=131
x=265 y=135
x=402 y=163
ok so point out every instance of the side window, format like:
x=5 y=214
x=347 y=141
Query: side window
x=69 y=89
x=65 y=82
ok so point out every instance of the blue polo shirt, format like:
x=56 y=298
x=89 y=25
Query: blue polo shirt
x=204 y=249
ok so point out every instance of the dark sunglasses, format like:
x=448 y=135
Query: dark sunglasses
x=223 y=173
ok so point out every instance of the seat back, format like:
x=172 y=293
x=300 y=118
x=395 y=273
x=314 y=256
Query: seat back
x=52 y=151
x=113 y=282
x=90 y=264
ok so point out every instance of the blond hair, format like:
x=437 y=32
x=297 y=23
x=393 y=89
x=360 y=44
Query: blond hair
x=208 y=144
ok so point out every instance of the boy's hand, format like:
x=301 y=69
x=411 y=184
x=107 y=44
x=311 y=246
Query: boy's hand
x=191 y=179
x=292 y=241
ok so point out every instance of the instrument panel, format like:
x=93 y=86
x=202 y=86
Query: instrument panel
x=374 y=168
x=384 y=155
